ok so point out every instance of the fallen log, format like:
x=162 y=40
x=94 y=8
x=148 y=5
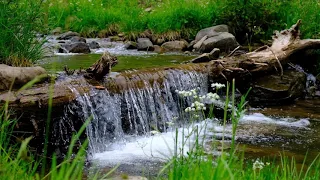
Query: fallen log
x=265 y=59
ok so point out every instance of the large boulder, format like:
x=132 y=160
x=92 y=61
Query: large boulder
x=211 y=31
x=144 y=44
x=19 y=76
x=175 y=45
x=78 y=47
x=223 y=40
x=67 y=35
x=272 y=89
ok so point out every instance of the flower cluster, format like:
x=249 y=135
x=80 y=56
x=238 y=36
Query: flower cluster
x=257 y=165
x=209 y=97
x=217 y=86
x=198 y=106
x=192 y=92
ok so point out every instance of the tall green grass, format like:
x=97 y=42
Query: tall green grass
x=250 y=19
x=16 y=162
x=19 y=22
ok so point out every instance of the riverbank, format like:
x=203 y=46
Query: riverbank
x=251 y=21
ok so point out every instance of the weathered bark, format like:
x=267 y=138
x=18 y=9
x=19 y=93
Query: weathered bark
x=102 y=67
x=265 y=59
x=38 y=96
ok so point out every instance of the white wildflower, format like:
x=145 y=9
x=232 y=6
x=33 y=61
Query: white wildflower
x=188 y=109
x=257 y=165
x=212 y=96
x=217 y=85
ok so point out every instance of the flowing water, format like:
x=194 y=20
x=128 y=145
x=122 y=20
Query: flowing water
x=124 y=121
x=120 y=132
x=127 y=59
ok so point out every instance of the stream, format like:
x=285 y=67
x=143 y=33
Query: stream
x=121 y=131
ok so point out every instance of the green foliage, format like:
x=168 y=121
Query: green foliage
x=129 y=16
x=251 y=20
x=18 y=163
x=18 y=26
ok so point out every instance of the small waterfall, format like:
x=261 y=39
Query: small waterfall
x=135 y=110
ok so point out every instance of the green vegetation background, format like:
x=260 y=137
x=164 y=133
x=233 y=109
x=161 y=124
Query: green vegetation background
x=250 y=20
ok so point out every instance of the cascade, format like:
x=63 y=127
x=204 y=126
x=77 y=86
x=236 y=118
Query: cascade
x=132 y=111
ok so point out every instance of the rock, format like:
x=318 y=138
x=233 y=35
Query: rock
x=19 y=76
x=158 y=49
x=78 y=39
x=211 y=31
x=223 y=40
x=199 y=43
x=190 y=45
x=144 y=44
x=214 y=54
x=62 y=50
x=56 y=31
x=271 y=89
x=130 y=45
x=94 y=45
x=121 y=34
x=205 y=57
x=67 y=35
x=175 y=45
x=79 y=47
x=49 y=49
x=159 y=41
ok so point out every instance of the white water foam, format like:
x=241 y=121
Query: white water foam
x=160 y=147
x=288 y=122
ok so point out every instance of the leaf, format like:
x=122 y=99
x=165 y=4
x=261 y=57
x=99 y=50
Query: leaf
x=23 y=151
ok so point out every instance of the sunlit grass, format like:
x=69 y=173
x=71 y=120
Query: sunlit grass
x=258 y=18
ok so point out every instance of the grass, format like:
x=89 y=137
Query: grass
x=18 y=163
x=250 y=20
x=19 y=21
x=254 y=18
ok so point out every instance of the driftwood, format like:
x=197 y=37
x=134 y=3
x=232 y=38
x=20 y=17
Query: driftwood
x=265 y=59
x=102 y=67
